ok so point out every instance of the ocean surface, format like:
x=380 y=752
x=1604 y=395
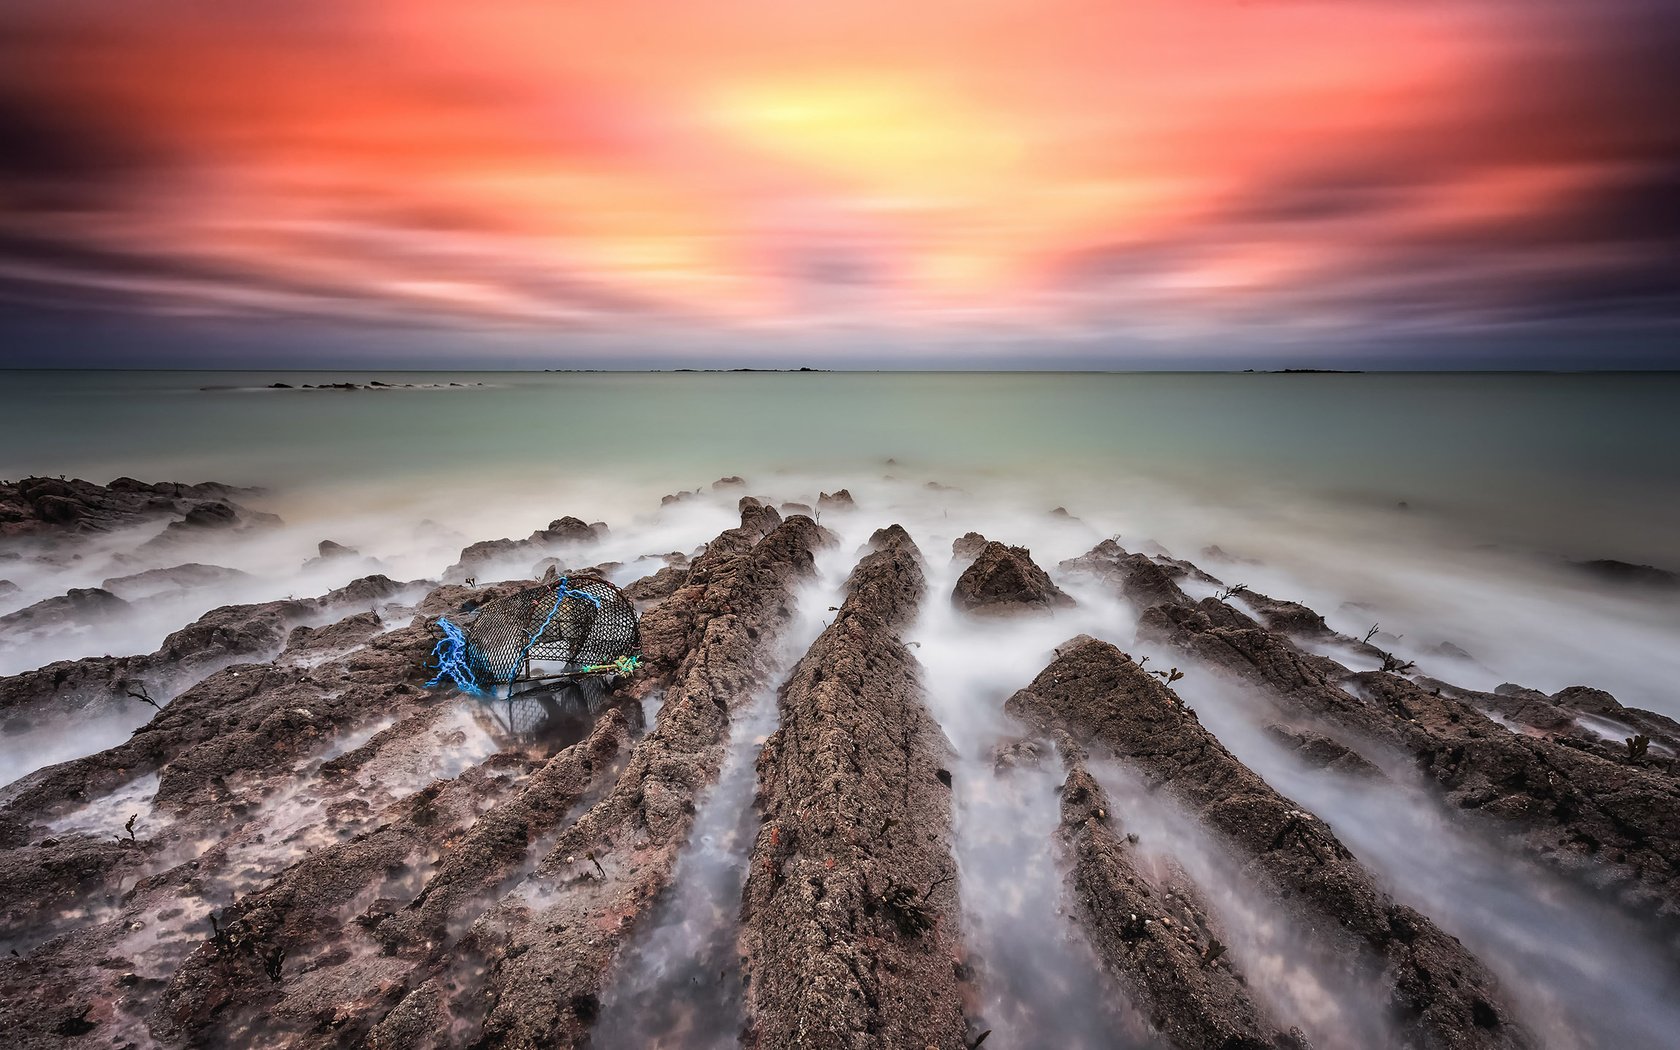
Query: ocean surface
x=1448 y=507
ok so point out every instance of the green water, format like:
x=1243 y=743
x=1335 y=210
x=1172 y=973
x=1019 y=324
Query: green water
x=1584 y=465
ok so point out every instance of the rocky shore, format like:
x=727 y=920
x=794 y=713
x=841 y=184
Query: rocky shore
x=305 y=846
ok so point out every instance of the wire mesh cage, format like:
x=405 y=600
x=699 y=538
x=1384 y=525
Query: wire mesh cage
x=557 y=712
x=569 y=628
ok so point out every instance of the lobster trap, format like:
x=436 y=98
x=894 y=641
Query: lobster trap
x=567 y=629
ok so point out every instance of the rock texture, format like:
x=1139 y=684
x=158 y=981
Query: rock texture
x=1156 y=940
x=708 y=646
x=850 y=931
x=1005 y=580
x=1100 y=696
x=40 y=507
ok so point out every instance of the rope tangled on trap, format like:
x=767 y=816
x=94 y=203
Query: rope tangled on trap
x=557 y=630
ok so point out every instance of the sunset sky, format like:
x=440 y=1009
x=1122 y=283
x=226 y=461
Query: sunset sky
x=944 y=183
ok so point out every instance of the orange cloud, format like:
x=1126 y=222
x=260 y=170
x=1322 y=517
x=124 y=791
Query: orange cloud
x=754 y=162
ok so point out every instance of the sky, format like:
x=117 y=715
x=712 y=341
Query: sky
x=939 y=183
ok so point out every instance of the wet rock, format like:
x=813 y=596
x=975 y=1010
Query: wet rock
x=708 y=647
x=1176 y=972
x=1017 y=754
x=216 y=515
x=661 y=584
x=1099 y=695
x=840 y=499
x=1585 y=813
x=79 y=605
x=790 y=509
x=50 y=506
x=8 y=588
x=1450 y=651
x=1135 y=575
x=757 y=515
x=729 y=482
x=850 y=913
x=968 y=546
x=1320 y=752
x=1005 y=580
x=1288 y=617
x=567 y=532
x=218 y=638
x=174 y=578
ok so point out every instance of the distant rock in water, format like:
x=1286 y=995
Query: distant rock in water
x=1006 y=580
x=1622 y=572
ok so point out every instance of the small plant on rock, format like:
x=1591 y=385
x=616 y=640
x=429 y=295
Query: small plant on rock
x=141 y=694
x=1393 y=664
x=1372 y=633
x=1637 y=746
x=1235 y=591
x=1169 y=677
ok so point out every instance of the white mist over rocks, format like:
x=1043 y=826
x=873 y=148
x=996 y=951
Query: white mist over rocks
x=1475 y=603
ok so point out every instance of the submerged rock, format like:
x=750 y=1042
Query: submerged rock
x=1005 y=580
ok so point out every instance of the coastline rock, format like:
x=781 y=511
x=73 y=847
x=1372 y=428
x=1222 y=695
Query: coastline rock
x=708 y=646
x=840 y=499
x=850 y=917
x=1099 y=695
x=1005 y=580
x=174 y=578
x=49 y=506
x=661 y=584
x=968 y=546
x=1158 y=943
x=1137 y=576
x=78 y=605
x=1317 y=751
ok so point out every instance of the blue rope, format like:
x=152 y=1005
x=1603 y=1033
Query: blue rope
x=454 y=660
x=559 y=598
x=453 y=653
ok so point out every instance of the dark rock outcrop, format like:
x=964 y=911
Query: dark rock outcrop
x=1004 y=580
x=850 y=914
x=1158 y=943
x=76 y=606
x=1100 y=696
x=52 y=506
x=968 y=546
x=174 y=578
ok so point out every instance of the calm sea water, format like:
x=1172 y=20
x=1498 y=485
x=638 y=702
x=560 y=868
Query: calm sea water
x=1583 y=465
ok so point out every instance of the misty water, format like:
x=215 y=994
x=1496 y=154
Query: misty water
x=1446 y=508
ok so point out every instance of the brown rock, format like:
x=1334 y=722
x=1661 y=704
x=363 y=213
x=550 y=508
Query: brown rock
x=1005 y=580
